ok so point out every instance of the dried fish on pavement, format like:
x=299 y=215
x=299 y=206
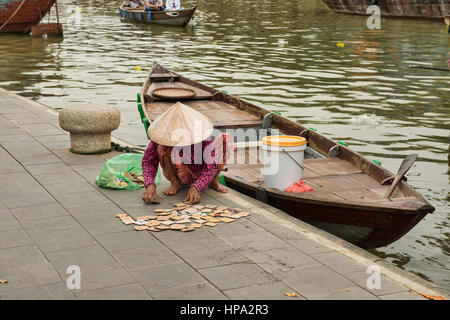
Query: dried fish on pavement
x=177 y=226
x=210 y=224
x=153 y=223
x=128 y=221
x=141 y=228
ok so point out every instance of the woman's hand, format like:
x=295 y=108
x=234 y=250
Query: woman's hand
x=150 y=195
x=193 y=196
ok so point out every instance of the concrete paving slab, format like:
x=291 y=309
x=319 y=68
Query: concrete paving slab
x=258 y=241
x=164 y=277
x=403 y=296
x=62 y=239
x=353 y=293
x=127 y=240
x=267 y=291
x=39 y=212
x=236 y=275
x=73 y=200
x=14 y=238
x=310 y=282
x=25 y=267
x=180 y=241
x=279 y=261
x=386 y=286
x=338 y=262
x=57 y=291
x=46 y=168
x=207 y=257
x=150 y=256
x=8 y=221
x=309 y=246
x=28 y=160
x=132 y=291
x=98 y=268
x=203 y=291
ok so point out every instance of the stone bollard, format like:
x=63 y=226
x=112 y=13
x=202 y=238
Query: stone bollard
x=90 y=127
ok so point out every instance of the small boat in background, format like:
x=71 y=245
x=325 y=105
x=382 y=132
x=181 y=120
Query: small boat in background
x=19 y=16
x=349 y=197
x=417 y=9
x=170 y=18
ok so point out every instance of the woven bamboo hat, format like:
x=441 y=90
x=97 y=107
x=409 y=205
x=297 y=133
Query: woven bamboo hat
x=180 y=126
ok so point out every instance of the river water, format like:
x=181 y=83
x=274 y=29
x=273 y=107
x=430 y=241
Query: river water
x=281 y=55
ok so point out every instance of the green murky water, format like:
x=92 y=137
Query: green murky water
x=283 y=56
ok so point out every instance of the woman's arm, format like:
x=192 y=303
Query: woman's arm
x=150 y=164
x=210 y=168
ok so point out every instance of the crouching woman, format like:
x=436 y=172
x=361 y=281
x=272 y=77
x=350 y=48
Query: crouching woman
x=181 y=143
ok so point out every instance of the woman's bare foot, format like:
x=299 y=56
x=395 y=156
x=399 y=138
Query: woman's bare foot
x=218 y=187
x=173 y=189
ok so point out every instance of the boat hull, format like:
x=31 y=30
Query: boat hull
x=367 y=228
x=169 y=18
x=418 y=9
x=30 y=14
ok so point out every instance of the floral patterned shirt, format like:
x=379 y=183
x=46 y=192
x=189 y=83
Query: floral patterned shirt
x=204 y=171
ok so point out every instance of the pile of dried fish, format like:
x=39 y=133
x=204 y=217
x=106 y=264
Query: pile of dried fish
x=184 y=217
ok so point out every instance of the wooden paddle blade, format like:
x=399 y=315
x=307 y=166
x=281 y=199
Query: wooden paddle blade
x=406 y=164
x=404 y=167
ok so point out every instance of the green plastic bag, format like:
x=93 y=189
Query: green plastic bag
x=111 y=174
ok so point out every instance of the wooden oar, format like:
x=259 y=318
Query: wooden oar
x=404 y=167
x=429 y=68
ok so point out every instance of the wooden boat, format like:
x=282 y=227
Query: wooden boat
x=20 y=16
x=171 y=18
x=348 y=197
x=417 y=9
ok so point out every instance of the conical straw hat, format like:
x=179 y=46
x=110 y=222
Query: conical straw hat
x=180 y=126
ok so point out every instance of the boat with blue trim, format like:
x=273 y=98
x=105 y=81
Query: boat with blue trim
x=170 y=18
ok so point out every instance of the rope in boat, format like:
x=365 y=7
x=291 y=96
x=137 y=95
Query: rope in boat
x=13 y=15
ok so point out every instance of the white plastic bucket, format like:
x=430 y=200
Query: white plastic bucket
x=283 y=160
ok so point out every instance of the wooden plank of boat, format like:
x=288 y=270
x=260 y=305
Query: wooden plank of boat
x=348 y=188
x=20 y=15
x=174 y=18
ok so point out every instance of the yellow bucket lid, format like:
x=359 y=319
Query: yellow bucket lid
x=284 y=141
